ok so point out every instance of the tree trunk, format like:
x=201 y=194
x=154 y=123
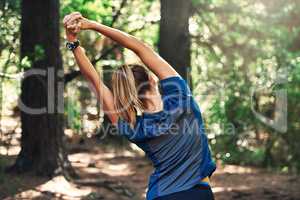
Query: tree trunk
x=174 y=38
x=42 y=149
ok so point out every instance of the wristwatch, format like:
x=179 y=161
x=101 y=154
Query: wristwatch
x=72 y=45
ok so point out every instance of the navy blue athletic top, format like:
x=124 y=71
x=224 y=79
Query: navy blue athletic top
x=174 y=140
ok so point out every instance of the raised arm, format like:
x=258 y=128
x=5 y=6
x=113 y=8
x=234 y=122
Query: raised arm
x=149 y=57
x=103 y=93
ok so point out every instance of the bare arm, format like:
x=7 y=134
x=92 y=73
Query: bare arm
x=148 y=56
x=103 y=93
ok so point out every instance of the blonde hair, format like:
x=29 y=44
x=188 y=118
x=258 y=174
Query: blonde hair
x=129 y=83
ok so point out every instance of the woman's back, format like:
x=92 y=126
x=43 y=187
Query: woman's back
x=174 y=140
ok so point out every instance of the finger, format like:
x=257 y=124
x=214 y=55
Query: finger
x=76 y=30
x=73 y=13
x=79 y=24
x=71 y=31
x=74 y=22
x=71 y=26
x=74 y=26
x=66 y=19
x=71 y=23
x=73 y=17
x=69 y=17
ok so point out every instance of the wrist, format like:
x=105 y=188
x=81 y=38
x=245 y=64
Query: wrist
x=72 y=39
x=91 y=25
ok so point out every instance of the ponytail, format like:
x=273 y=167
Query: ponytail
x=126 y=95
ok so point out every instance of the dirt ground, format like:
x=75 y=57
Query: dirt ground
x=123 y=175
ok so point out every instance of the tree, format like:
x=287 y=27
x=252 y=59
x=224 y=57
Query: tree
x=244 y=54
x=41 y=142
x=174 y=38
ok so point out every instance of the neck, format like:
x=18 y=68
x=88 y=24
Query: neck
x=153 y=102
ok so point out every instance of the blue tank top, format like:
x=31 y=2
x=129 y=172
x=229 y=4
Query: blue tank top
x=174 y=139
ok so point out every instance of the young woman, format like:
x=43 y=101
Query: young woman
x=160 y=116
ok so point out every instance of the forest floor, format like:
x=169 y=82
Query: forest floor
x=119 y=175
x=123 y=175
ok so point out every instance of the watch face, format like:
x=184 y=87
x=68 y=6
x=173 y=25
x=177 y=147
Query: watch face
x=69 y=46
x=72 y=45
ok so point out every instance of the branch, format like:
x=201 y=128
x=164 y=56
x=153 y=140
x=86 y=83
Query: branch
x=118 y=13
x=72 y=75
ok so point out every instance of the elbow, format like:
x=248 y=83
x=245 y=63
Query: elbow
x=140 y=47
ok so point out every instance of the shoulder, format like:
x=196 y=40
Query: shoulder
x=174 y=84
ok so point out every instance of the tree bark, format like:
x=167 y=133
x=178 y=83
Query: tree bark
x=42 y=150
x=174 y=38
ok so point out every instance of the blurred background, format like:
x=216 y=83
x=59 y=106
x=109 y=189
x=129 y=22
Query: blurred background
x=240 y=57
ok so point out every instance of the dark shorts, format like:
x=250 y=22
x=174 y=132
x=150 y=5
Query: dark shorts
x=199 y=192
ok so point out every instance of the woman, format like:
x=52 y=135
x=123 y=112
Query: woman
x=167 y=125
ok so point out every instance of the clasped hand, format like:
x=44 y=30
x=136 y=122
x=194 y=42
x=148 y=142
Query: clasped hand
x=74 y=23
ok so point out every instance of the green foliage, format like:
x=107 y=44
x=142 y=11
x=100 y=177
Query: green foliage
x=97 y=10
x=242 y=48
x=25 y=63
x=39 y=52
x=9 y=34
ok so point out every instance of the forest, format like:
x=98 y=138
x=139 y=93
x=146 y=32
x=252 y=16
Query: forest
x=241 y=59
